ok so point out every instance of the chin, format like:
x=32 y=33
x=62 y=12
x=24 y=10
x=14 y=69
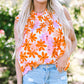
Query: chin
x=41 y=1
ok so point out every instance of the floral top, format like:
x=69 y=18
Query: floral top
x=43 y=43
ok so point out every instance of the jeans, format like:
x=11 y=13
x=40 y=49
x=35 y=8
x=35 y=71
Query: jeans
x=45 y=74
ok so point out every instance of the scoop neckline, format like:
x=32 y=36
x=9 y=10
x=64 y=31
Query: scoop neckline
x=39 y=13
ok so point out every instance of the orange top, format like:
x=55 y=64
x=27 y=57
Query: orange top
x=43 y=43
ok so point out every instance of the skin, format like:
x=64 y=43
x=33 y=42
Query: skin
x=18 y=72
x=39 y=6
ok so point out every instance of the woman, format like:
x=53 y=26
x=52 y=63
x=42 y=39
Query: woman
x=43 y=31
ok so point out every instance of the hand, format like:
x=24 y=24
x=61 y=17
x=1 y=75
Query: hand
x=61 y=63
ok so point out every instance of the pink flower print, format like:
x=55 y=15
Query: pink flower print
x=46 y=33
x=39 y=14
x=50 y=42
x=39 y=61
x=56 y=25
x=54 y=17
x=47 y=60
x=44 y=29
x=43 y=37
x=32 y=30
x=49 y=49
x=36 y=21
x=33 y=47
x=28 y=68
x=47 y=36
x=27 y=36
x=36 y=25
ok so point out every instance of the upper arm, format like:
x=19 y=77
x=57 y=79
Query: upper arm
x=72 y=33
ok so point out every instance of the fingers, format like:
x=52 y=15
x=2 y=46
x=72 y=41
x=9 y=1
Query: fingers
x=60 y=69
x=61 y=65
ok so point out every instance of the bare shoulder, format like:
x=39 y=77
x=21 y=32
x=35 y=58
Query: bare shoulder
x=67 y=14
x=72 y=32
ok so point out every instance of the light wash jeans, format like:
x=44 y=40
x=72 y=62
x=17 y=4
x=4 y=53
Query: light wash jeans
x=45 y=74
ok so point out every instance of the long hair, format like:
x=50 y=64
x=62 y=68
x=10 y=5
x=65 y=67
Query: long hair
x=28 y=5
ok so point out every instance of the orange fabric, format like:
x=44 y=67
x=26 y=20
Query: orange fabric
x=44 y=41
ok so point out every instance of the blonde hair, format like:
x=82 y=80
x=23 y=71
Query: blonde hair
x=51 y=5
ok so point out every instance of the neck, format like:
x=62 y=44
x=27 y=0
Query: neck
x=39 y=7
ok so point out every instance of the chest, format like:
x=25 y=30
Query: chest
x=43 y=27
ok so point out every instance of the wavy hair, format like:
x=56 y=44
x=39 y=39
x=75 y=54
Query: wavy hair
x=28 y=5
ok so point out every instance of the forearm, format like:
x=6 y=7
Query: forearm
x=18 y=72
x=73 y=46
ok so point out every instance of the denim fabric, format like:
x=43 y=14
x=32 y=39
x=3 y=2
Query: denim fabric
x=45 y=74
